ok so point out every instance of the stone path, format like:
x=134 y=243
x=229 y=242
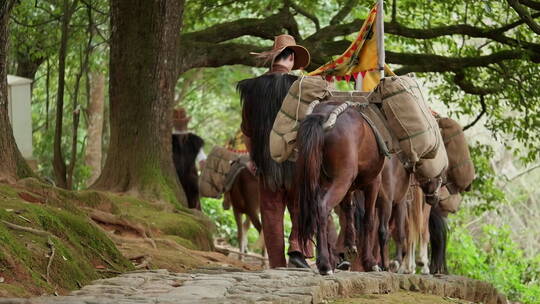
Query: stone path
x=228 y=285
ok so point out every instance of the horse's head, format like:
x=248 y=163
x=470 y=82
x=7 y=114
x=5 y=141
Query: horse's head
x=431 y=187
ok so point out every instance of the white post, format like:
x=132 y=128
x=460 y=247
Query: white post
x=359 y=82
x=379 y=26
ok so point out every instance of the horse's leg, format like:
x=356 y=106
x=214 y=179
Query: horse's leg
x=385 y=211
x=340 y=243
x=348 y=225
x=239 y=232
x=370 y=193
x=424 y=241
x=335 y=194
x=245 y=229
x=400 y=217
x=408 y=263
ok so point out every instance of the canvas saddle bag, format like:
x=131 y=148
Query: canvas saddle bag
x=222 y=167
x=460 y=173
x=396 y=111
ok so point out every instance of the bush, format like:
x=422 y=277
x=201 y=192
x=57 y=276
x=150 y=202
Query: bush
x=495 y=258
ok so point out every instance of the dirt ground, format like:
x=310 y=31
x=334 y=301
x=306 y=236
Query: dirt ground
x=399 y=297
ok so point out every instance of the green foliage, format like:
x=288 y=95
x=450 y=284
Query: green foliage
x=496 y=258
x=485 y=187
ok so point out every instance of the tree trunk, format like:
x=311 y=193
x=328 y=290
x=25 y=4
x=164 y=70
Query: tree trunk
x=76 y=109
x=95 y=125
x=12 y=164
x=59 y=165
x=144 y=42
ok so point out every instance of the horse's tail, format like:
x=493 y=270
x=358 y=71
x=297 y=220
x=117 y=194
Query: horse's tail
x=308 y=170
x=438 y=231
x=415 y=214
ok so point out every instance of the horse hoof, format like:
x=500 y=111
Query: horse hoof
x=352 y=250
x=394 y=266
x=326 y=272
x=345 y=265
x=425 y=270
x=376 y=268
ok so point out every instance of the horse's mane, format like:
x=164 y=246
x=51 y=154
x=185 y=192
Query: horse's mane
x=261 y=100
x=185 y=149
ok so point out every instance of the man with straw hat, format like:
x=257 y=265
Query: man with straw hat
x=261 y=100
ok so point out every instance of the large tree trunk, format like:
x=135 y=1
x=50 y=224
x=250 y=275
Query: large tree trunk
x=95 y=125
x=12 y=164
x=143 y=72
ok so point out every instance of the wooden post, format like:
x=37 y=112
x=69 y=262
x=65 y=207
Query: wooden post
x=379 y=26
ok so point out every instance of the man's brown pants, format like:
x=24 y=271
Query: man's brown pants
x=273 y=205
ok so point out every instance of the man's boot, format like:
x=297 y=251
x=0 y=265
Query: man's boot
x=296 y=259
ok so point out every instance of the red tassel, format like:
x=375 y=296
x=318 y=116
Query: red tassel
x=338 y=78
x=355 y=75
x=347 y=78
x=363 y=74
x=329 y=78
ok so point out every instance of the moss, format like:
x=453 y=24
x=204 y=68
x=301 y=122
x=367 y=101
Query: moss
x=157 y=185
x=194 y=228
x=79 y=247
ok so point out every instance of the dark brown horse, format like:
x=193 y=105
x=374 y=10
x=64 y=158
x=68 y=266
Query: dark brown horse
x=186 y=146
x=331 y=165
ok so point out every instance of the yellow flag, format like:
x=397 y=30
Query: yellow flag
x=360 y=59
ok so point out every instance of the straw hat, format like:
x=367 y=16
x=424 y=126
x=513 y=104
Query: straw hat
x=180 y=119
x=281 y=42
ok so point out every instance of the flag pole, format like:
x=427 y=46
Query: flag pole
x=379 y=26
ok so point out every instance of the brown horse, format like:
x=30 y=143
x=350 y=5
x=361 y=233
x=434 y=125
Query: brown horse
x=244 y=198
x=392 y=205
x=349 y=158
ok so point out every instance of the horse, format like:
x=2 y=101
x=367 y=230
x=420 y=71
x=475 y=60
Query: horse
x=244 y=198
x=417 y=233
x=186 y=146
x=391 y=204
x=349 y=158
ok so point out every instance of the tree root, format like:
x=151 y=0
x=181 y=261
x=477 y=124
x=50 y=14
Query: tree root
x=226 y=251
x=28 y=229
x=110 y=219
x=51 y=257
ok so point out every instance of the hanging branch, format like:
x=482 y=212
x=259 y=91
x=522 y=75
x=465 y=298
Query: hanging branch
x=484 y=110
